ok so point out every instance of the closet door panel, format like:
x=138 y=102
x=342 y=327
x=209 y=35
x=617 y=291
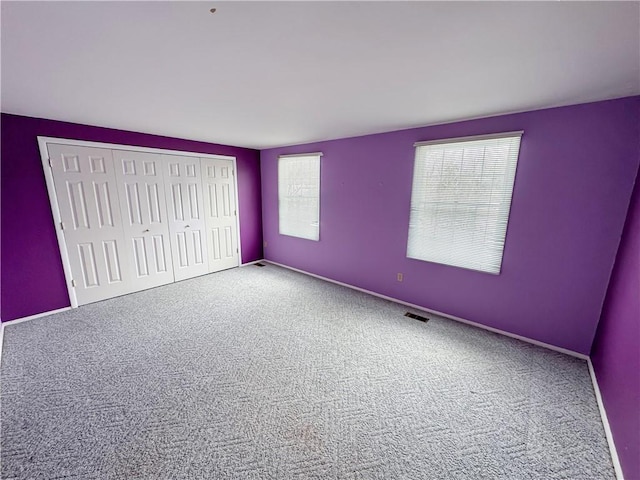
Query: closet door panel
x=134 y=220
x=220 y=213
x=85 y=184
x=145 y=222
x=183 y=179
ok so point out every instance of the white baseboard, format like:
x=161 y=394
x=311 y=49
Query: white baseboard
x=441 y=314
x=605 y=423
x=1 y=341
x=33 y=317
x=252 y=263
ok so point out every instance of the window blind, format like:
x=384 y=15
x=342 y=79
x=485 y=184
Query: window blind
x=299 y=195
x=460 y=200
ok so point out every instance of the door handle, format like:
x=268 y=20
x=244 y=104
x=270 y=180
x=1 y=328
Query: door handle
x=145 y=231
x=187 y=226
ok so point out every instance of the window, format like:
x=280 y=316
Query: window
x=461 y=198
x=299 y=195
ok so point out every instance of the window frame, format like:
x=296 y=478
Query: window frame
x=508 y=174
x=282 y=199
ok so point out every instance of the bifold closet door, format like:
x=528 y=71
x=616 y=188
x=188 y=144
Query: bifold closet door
x=144 y=216
x=85 y=184
x=186 y=216
x=220 y=213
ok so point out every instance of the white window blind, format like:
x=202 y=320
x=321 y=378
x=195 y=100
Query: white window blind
x=299 y=195
x=460 y=200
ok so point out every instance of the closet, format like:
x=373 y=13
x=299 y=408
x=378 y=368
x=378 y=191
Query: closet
x=133 y=219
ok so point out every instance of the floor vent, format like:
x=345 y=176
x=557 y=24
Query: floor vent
x=259 y=264
x=417 y=317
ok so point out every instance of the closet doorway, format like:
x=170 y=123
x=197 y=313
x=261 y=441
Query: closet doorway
x=131 y=218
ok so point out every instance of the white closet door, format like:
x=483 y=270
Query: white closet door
x=220 y=213
x=183 y=181
x=85 y=184
x=144 y=214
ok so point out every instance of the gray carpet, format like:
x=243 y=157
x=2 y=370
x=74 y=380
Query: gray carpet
x=264 y=373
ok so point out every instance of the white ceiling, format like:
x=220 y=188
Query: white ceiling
x=264 y=74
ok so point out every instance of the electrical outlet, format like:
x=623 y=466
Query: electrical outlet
x=400 y=277
x=265 y=244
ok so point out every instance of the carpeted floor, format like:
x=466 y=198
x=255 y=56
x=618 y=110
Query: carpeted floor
x=264 y=373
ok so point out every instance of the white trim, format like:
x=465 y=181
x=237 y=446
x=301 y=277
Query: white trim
x=235 y=180
x=605 y=423
x=440 y=314
x=312 y=154
x=57 y=219
x=490 y=136
x=1 y=341
x=33 y=317
x=252 y=263
x=134 y=148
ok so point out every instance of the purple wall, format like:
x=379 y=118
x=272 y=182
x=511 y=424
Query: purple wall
x=32 y=276
x=574 y=180
x=616 y=349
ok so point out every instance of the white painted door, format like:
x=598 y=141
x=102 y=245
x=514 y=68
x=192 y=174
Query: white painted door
x=85 y=185
x=144 y=217
x=218 y=181
x=183 y=182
